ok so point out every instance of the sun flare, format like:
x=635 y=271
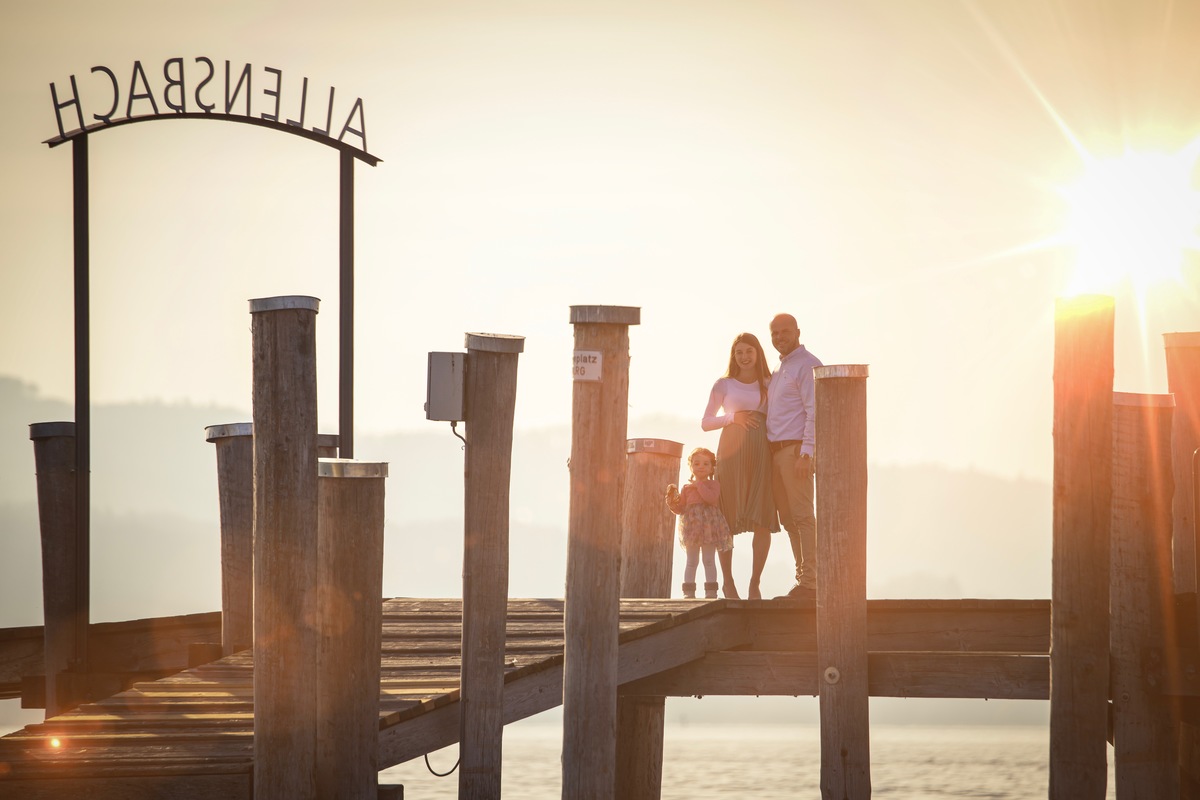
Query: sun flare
x=1133 y=218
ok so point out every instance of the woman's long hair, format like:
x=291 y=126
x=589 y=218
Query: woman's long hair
x=760 y=364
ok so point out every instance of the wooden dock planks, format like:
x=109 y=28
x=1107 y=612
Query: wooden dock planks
x=191 y=734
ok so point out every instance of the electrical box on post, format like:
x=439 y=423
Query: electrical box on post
x=444 y=388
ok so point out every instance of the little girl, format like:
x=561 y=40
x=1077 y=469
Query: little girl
x=702 y=526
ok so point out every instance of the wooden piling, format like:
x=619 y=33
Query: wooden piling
x=350 y=593
x=490 y=384
x=600 y=369
x=841 y=499
x=234 y=444
x=1183 y=380
x=54 y=460
x=647 y=550
x=1083 y=384
x=286 y=636
x=647 y=525
x=1145 y=746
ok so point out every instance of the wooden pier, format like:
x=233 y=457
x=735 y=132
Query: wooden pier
x=191 y=734
x=1115 y=649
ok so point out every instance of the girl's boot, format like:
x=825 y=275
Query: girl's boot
x=710 y=590
x=689 y=591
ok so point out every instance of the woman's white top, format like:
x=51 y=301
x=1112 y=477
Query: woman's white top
x=728 y=396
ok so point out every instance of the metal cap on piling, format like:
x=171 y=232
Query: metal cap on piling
x=664 y=447
x=224 y=431
x=495 y=342
x=349 y=468
x=614 y=315
x=1138 y=400
x=841 y=371
x=47 y=430
x=302 y=302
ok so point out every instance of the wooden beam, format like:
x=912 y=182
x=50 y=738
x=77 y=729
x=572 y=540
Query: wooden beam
x=146 y=787
x=142 y=645
x=927 y=675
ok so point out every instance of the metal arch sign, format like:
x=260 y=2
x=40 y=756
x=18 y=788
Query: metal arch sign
x=193 y=93
x=197 y=91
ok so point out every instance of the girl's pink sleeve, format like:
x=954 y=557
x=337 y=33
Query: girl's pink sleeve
x=709 y=491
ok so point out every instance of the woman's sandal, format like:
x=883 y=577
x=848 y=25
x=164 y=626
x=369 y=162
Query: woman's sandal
x=730 y=591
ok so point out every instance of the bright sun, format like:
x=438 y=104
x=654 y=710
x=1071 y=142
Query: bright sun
x=1133 y=218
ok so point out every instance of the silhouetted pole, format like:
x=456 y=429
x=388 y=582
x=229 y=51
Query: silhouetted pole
x=490 y=393
x=1183 y=381
x=286 y=639
x=841 y=499
x=1145 y=717
x=592 y=609
x=234 y=444
x=647 y=550
x=1083 y=408
x=350 y=599
x=83 y=404
x=54 y=460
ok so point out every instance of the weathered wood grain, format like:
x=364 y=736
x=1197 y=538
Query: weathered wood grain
x=841 y=497
x=599 y=417
x=1082 y=519
x=490 y=394
x=1145 y=742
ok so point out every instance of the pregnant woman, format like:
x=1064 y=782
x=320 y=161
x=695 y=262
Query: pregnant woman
x=737 y=406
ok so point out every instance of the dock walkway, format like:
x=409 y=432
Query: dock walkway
x=191 y=734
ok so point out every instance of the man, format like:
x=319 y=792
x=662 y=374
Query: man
x=791 y=434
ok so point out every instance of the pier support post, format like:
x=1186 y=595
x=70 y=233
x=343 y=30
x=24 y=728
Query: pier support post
x=234 y=444
x=350 y=599
x=1183 y=381
x=286 y=639
x=1083 y=408
x=1145 y=716
x=490 y=384
x=841 y=499
x=647 y=547
x=591 y=615
x=54 y=460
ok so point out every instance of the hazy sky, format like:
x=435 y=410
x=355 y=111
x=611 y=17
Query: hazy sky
x=892 y=173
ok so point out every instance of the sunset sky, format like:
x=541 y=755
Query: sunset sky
x=897 y=175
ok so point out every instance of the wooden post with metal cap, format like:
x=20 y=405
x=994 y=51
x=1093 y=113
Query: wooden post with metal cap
x=841 y=501
x=647 y=550
x=286 y=632
x=490 y=377
x=600 y=365
x=234 y=443
x=54 y=460
x=350 y=520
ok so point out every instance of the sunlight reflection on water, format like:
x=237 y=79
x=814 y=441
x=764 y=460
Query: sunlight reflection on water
x=710 y=761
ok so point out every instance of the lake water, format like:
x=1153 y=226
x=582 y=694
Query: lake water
x=707 y=760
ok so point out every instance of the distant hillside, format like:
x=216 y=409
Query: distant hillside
x=932 y=531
